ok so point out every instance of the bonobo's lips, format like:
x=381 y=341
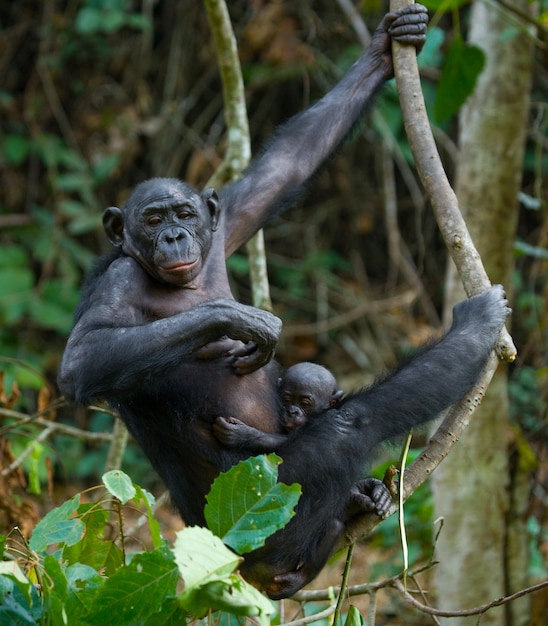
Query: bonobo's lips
x=179 y=267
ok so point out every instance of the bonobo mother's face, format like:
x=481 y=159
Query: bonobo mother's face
x=167 y=227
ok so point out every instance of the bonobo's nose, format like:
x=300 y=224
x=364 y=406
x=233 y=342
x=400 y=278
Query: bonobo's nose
x=171 y=235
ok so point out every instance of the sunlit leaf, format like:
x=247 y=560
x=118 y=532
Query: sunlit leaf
x=207 y=567
x=119 y=485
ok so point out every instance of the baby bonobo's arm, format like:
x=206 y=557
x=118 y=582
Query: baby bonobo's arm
x=233 y=433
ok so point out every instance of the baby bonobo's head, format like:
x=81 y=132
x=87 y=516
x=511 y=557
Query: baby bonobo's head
x=305 y=389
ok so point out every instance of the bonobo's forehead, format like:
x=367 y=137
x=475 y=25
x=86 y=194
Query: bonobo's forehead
x=309 y=375
x=159 y=191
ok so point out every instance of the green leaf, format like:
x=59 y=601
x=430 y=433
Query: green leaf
x=353 y=617
x=443 y=6
x=16 y=149
x=522 y=248
x=431 y=55
x=88 y=21
x=15 y=287
x=56 y=597
x=461 y=69
x=11 y=568
x=119 y=485
x=137 y=591
x=72 y=181
x=35 y=463
x=529 y=202
x=232 y=595
x=83 y=584
x=84 y=224
x=239 y=264
x=19 y=603
x=202 y=557
x=13 y=256
x=93 y=550
x=104 y=167
x=171 y=614
x=207 y=567
x=52 y=315
x=58 y=527
x=15 y=280
x=246 y=504
x=154 y=527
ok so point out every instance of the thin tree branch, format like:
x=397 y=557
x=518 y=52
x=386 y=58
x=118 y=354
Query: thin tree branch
x=319 y=595
x=238 y=151
x=361 y=30
x=53 y=427
x=117 y=447
x=478 y=610
x=464 y=254
x=434 y=179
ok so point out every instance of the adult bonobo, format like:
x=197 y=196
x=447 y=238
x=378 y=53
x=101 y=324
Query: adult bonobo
x=159 y=337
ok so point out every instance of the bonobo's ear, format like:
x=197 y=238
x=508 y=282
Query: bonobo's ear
x=210 y=197
x=336 y=397
x=113 y=223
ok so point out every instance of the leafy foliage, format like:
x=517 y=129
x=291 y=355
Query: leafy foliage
x=83 y=574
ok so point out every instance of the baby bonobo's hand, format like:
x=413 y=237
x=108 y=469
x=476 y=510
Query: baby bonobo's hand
x=370 y=494
x=231 y=431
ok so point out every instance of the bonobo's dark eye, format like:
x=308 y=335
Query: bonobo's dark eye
x=154 y=220
x=183 y=215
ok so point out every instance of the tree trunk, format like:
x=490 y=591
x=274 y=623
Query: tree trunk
x=479 y=549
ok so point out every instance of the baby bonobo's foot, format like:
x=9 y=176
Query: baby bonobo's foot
x=370 y=494
x=285 y=585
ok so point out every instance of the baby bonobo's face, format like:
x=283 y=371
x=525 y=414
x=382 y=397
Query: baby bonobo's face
x=306 y=388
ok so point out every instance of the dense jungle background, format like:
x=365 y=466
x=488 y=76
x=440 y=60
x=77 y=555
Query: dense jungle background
x=98 y=95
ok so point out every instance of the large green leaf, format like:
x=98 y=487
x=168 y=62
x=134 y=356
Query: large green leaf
x=246 y=504
x=461 y=69
x=137 y=591
x=207 y=567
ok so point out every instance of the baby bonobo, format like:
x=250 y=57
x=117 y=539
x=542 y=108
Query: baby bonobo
x=305 y=389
